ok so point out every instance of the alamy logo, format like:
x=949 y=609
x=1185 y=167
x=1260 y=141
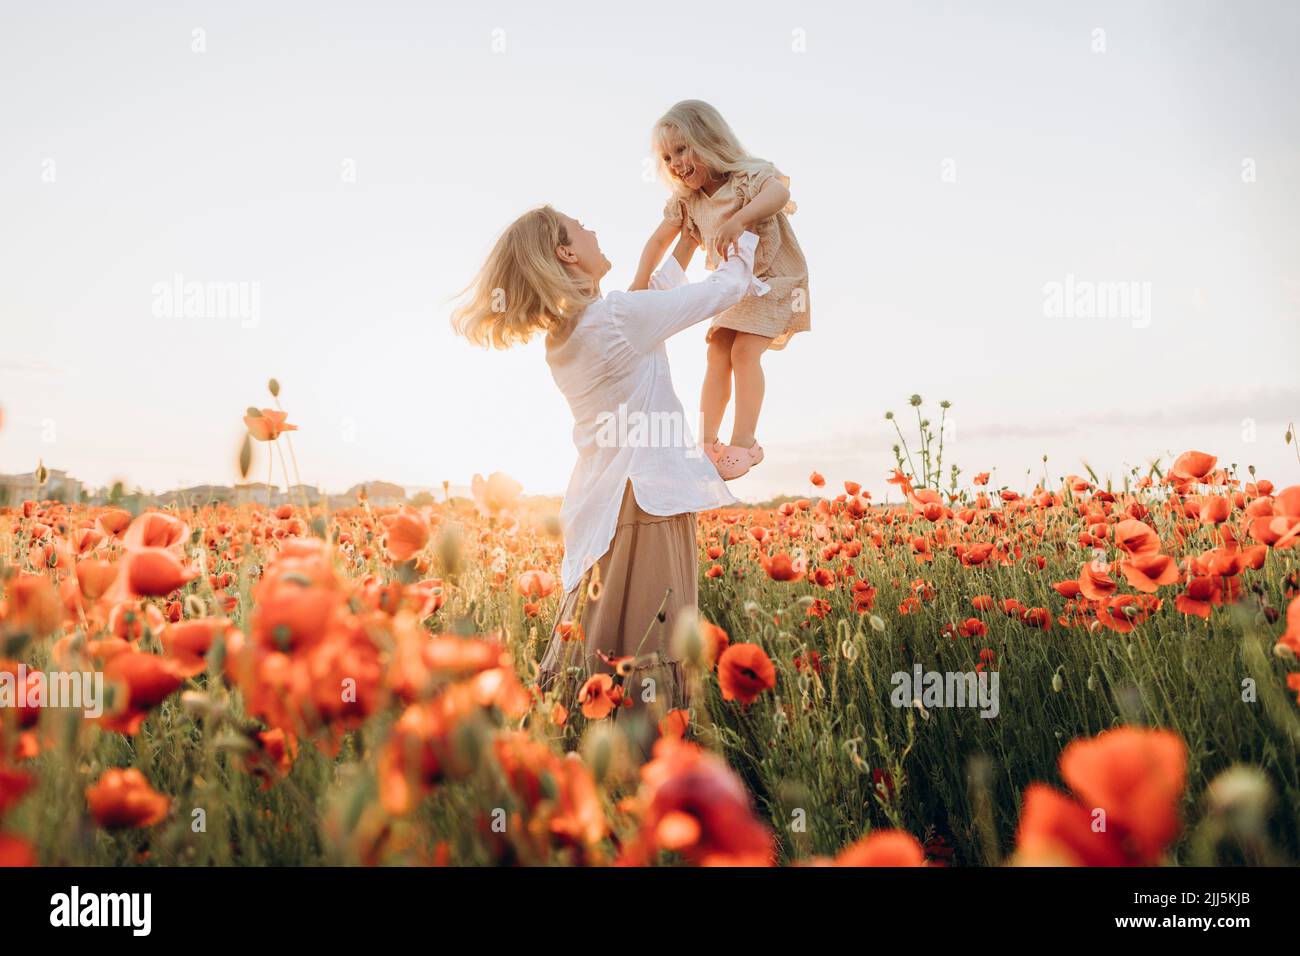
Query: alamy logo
x=931 y=689
x=134 y=910
x=82 y=690
x=1085 y=299
x=636 y=429
x=180 y=299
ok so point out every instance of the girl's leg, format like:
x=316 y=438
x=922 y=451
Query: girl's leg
x=716 y=390
x=746 y=360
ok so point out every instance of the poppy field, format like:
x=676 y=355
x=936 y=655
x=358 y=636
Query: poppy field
x=294 y=685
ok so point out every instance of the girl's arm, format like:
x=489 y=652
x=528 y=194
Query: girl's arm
x=653 y=253
x=770 y=200
x=685 y=250
x=652 y=316
x=673 y=272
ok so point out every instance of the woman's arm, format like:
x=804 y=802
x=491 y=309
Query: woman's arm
x=653 y=253
x=651 y=316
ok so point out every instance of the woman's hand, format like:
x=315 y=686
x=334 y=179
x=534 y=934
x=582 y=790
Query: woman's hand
x=728 y=233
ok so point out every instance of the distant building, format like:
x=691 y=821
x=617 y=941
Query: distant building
x=198 y=496
x=59 y=485
x=380 y=494
x=258 y=493
x=15 y=489
x=309 y=493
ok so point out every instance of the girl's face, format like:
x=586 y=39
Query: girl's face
x=681 y=160
x=582 y=251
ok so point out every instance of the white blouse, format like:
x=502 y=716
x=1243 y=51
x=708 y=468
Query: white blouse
x=627 y=421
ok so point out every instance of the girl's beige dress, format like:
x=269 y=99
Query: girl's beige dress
x=779 y=261
x=646 y=578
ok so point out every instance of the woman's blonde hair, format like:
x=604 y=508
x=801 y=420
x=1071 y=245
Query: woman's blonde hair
x=708 y=135
x=523 y=288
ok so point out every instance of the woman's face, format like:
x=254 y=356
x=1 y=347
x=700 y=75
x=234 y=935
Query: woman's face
x=582 y=252
x=681 y=160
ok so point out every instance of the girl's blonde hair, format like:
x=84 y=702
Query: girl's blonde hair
x=707 y=133
x=523 y=288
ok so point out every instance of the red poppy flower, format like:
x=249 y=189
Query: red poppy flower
x=1095 y=582
x=1129 y=783
x=599 y=696
x=883 y=848
x=782 y=567
x=268 y=424
x=1136 y=537
x=156 y=572
x=15 y=852
x=123 y=799
x=1191 y=465
x=744 y=672
x=141 y=682
x=1150 y=571
x=408 y=533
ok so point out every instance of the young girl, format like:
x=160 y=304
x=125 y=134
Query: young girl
x=719 y=191
x=630 y=556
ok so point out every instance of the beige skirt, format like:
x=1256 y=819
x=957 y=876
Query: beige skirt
x=648 y=576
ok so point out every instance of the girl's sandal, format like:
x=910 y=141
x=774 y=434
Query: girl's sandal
x=736 y=461
x=713 y=451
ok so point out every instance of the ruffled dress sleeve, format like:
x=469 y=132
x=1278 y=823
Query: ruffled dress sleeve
x=677 y=210
x=750 y=182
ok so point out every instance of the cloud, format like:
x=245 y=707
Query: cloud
x=1269 y=404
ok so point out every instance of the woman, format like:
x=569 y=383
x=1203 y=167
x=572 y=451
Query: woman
x=629 y=511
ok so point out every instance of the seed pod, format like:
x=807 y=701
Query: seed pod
x=449 y=550
x=598 y=749
x=687 y=641
x=1244 y=796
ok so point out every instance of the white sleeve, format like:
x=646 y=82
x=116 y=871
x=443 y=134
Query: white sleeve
x=653 y=315
x=669 y=275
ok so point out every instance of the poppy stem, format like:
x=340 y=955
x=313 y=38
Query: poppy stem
x=297 y=477
x=283 y=466
x=907 y=451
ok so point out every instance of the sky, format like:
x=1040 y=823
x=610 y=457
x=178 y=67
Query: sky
x=955 y=165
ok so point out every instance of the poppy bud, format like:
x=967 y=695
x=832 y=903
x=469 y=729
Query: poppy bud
x=449 y=549
x=598 y=749
x=236 y=743
x=1057 y=683
x=687 y=642
x=1244 y=796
